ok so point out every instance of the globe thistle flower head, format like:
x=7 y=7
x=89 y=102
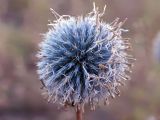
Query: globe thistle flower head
x=156 y=48
x=83 y=59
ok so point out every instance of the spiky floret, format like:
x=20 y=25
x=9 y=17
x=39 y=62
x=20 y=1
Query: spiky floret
x=83 y=60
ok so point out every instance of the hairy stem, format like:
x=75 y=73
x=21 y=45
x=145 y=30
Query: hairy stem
x=79 y=113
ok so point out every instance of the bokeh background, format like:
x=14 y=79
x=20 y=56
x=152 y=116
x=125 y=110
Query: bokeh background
x=22 y=22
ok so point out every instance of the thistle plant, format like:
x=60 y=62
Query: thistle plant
x=156 y=48
x=83 y=60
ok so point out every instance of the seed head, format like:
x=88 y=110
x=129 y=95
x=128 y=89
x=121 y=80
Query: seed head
x=83 y=59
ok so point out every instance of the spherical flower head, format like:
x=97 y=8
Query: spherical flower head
x=156 y=48
x=83 y=59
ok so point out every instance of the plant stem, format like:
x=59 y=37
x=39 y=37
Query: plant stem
x=79 y=112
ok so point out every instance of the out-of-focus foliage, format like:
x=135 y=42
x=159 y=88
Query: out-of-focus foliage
x=21 y=25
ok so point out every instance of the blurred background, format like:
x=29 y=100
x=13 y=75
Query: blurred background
x=22 y=22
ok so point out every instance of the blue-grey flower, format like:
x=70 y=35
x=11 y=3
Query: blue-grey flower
x=156 y=48
x=83 y=59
